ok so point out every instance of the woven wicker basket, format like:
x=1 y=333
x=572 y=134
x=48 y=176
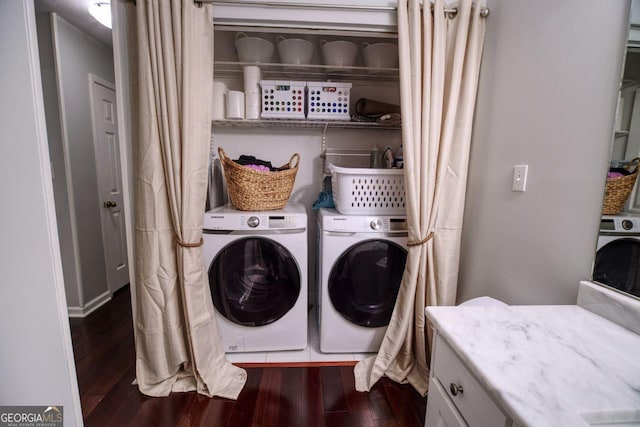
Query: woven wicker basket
x=618 y=189
x=251 y=190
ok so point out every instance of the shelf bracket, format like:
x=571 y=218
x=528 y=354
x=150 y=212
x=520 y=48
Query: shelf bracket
x=323 y=184
x=324 y=137
x=212 y=147
x=210 y=166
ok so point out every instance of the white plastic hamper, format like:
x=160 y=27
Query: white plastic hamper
x=364 y=191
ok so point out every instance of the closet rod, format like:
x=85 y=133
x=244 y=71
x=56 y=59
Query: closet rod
x=484 y=12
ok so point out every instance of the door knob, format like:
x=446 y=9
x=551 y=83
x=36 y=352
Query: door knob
x=110 y=204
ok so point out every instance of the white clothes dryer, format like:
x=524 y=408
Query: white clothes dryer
x=257 y=268
x=360 y=267
x=617 y=262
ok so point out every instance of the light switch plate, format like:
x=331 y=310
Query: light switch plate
x=520 y=177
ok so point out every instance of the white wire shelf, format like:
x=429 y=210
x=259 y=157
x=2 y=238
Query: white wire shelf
x=298 y=124
x=273 y=71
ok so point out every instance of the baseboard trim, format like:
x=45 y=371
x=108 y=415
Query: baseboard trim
x=93 y=305
x=293 y=364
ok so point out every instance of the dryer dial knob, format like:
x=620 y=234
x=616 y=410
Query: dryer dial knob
x=376 y=224
x=253 y=221
x=627 y=224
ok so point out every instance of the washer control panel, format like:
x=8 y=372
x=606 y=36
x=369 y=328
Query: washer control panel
x=228 y=219
x=254 y=221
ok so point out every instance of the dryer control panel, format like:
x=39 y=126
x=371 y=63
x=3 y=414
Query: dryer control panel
x=619 y=224
x=332 y=221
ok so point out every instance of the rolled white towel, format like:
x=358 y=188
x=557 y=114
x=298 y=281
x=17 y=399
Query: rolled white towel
x=483 y=301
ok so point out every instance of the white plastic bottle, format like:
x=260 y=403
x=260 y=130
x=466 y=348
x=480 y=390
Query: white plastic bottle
x=374 y=162
x=399 y=161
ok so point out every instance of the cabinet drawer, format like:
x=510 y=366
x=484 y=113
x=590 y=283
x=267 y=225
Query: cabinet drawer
x=441 y=412
x=475 y=406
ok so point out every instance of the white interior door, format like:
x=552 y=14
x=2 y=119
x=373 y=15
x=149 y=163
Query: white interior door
x=107 y=152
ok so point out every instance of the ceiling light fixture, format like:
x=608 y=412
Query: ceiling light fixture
x=101 y=11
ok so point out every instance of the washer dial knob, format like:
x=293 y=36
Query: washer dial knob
x=375 y=224
x=627 y=224
x=253 y=221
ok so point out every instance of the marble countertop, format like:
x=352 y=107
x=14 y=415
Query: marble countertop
x=548 y=365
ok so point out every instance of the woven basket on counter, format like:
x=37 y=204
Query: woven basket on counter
x=618 y=189
x=252 y=190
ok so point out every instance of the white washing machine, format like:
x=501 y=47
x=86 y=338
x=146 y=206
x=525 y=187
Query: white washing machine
x=360 y=267
x=617 y=263
x=257 y=267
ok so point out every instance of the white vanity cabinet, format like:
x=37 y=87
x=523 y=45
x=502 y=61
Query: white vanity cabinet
x=542 y=366
x=456 y=397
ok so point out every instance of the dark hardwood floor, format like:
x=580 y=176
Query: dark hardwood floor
x=274 y=395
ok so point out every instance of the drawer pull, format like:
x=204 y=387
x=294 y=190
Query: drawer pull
x=455 y=389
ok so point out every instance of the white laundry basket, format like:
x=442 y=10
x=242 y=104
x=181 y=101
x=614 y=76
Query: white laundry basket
x=364 y=191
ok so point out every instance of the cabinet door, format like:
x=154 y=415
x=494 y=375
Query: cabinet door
x=367 y=16
x=441 y=412
x=472 y=401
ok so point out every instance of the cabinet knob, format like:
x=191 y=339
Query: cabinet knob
x=455 y=389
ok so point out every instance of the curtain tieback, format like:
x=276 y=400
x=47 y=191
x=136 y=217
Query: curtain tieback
x=423 y=241
x=190 y=245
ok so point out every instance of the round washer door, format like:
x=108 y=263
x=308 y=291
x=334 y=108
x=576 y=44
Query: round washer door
x=618 y=265
x=364 y=282
x=254 y=281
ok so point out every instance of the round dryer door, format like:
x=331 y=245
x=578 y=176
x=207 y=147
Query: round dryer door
x=254 y=281
x=618 y=265
x=364 y=282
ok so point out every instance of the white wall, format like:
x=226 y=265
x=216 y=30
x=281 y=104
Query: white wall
x=76 y=56
x=37 y=365
x=548 y=91
x=56 y=153
x=122 y=56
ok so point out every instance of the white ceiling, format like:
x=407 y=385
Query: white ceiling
x=76 y=12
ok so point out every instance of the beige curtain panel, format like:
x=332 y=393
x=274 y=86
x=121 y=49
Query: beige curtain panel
x=440 y=57
x=177 y=343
